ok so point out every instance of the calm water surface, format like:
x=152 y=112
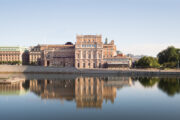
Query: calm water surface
x=55 y=97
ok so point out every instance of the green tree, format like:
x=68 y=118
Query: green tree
x=147 y=62
x=169 y=57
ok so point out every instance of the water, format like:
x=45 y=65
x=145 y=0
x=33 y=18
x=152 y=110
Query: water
x=55 y=97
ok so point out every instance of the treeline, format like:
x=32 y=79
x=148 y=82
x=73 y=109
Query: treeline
x=168 y=58
x=11 y=62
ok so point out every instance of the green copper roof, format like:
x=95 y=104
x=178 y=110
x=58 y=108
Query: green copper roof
x=5 y=48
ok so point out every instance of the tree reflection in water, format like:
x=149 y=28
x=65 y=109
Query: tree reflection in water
x=148 y=82
x=171 y=86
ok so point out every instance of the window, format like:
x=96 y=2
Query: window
x=89 y=56
x=94 y=65
x=100 y=56
x=99 y=65
x=84 y=65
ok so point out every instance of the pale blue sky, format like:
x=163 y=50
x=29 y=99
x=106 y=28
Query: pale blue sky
x=137 y=26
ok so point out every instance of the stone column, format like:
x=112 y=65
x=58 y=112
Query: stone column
x=91 y=54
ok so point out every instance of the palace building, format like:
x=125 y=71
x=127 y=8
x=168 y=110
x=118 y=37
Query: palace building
x=88 y=51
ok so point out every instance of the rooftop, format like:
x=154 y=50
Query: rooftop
x=12 y=48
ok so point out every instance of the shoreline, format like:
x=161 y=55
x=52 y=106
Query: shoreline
x=73 y=70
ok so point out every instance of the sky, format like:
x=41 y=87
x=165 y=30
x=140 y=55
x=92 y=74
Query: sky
x=137 y=26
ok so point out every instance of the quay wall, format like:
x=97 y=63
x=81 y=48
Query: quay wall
x=72 y=70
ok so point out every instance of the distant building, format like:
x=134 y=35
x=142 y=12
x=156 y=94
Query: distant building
x=89 y=51
x=135 y=57
x=13 y=55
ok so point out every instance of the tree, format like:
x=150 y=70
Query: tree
x=147 y=62
x=169 y=57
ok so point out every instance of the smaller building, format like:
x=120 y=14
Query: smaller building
x=13 y=55
x=119 y=61
x=109 y=49
x=63 y=56
x=35 y=54
x=53 y=55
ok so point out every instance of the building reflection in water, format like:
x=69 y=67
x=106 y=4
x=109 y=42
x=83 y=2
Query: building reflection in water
x=12 y=89
x=53 y=89
x=88 y=92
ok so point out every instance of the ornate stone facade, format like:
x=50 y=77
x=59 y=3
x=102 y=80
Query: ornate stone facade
x=88 y=51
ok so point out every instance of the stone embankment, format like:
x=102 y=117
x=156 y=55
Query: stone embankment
x=72 y=70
